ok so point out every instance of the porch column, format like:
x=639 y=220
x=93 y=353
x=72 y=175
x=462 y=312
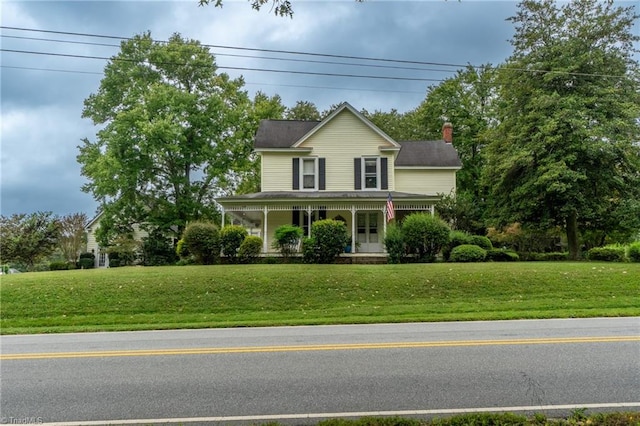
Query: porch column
x=309 y=211
x=353 y=229
x=222 y=225
x=432 y=208
x=264 y=229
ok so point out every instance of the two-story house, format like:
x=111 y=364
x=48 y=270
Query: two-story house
x=344 y=168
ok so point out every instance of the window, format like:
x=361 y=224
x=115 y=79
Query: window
x=308 y=173
x=370 y=173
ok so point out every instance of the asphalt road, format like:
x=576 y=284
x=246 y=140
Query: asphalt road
x=256 y=374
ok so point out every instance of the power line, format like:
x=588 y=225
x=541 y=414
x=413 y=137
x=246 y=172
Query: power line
x=68 y=55
x=247 y=83
x=51 y=69
x=218 y=54
x=220 y=46
x=290 y=52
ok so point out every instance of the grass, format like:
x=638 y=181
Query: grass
x=137 y=298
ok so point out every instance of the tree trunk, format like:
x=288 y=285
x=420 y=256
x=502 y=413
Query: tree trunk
x=572 y=235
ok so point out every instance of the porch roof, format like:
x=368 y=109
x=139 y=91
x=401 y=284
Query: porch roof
x=328 y=196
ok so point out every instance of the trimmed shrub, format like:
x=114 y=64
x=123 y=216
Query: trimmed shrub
x=425 y=235
x=86 y=262
x=394 y=243
x=330 y=237
x=203 y=241
x=231 y=237
x=468 y=253
x=456 y=238
x=480 y=241
x=634 y=252
x=502 y=255
x=58 y=266
x=250 y=249
x=554 y=256
x=157 y=249
x=287 y=238
x=310 y=250
x=87 y=255
x=607 y=254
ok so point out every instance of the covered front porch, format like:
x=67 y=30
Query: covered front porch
x=364 y=213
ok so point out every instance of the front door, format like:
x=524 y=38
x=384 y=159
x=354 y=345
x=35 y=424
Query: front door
x=369 y=238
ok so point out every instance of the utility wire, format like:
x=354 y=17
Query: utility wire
x=247 y=83
x=290 y=52
x=379 y=77
x=271 y=58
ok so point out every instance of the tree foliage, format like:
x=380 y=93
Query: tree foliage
x=171 y=130
x=278 y=7
x=73 y=237
x=566 y=147
x=467 y=100
x=303 y=110
x=27 y=238
x=263 y=107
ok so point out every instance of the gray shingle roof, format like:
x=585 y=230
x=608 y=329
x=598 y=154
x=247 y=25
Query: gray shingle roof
x=281 y=133
x=427 y=154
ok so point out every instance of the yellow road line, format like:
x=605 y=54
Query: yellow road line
x=326 y=347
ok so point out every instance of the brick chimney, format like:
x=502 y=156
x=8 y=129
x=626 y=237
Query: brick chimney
x=447 y=132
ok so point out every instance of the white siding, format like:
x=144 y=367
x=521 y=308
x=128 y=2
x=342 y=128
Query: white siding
x=277 y=170
x=339 y=142
x=428 y=182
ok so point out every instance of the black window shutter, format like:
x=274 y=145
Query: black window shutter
x=295 y=217
x=357 y=178
x=296 y=173
x=322 y=214
x=321 y=172
x=384 y=174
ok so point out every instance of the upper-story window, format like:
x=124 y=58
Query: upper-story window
x=371 y=173
x=309 y=173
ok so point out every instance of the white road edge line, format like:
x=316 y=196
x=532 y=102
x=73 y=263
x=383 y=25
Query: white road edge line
x=271 y=417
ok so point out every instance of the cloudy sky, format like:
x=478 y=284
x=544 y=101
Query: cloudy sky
x=42 y=94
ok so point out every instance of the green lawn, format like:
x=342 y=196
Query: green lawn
x=137 y=298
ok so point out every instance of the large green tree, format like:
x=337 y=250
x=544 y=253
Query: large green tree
x=467 y=100
x=172 y=130
x=566 y=149
x=27 y=238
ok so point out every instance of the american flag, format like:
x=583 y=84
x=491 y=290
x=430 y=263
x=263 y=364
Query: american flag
x=391 y=213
